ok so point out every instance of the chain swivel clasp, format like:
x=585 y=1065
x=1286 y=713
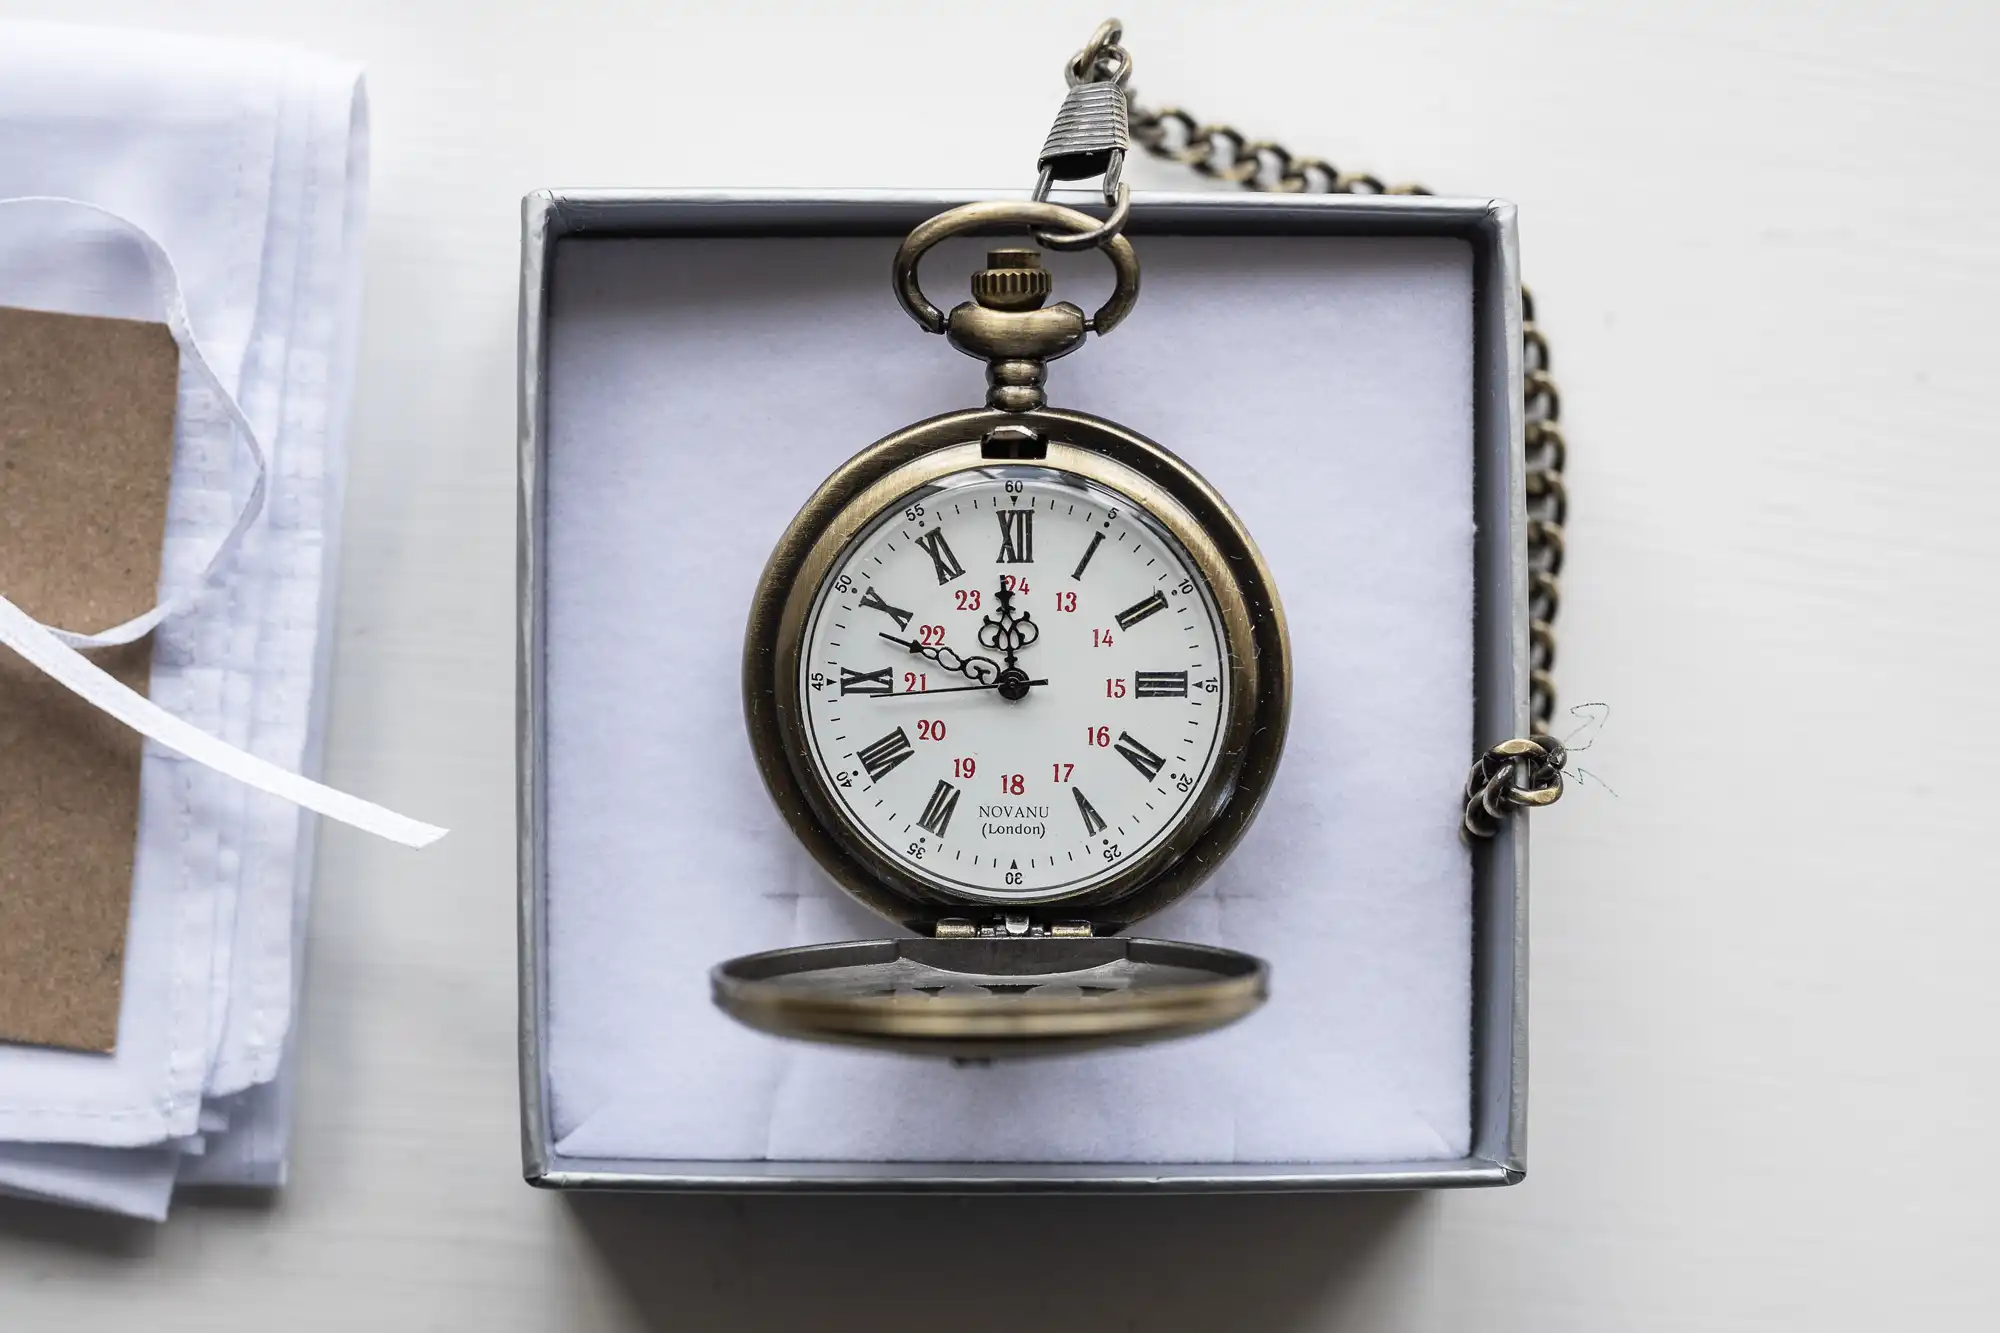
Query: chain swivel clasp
x=1091 y=135
x=1007 y=323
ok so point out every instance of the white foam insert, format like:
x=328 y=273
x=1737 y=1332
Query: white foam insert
x=700 y=389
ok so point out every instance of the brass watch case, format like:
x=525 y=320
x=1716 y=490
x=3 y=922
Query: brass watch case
x=1030 y=974
x=1244 y=595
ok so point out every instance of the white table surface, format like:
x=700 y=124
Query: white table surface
x=1764 y=1001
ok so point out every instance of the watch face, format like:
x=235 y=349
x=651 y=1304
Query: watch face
x=1012 y=685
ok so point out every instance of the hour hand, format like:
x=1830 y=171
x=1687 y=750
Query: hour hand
x=982 y=669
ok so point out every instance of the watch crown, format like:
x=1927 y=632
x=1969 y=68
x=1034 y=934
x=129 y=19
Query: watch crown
x=1013 y=279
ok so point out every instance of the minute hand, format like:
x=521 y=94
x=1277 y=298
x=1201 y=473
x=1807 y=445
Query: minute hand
x=982 y=669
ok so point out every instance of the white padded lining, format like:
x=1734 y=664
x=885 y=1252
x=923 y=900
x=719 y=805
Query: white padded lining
x=700 y=389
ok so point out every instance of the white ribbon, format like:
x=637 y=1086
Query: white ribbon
x=53 y=650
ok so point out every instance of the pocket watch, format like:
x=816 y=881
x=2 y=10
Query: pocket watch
x=1017 y=678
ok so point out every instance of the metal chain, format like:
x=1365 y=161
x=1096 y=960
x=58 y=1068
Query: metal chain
x=1516 y=774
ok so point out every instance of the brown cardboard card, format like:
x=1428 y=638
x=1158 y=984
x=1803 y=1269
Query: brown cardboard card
x=86 y=449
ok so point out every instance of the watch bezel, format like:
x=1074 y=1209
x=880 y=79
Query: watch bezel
x=853 y=499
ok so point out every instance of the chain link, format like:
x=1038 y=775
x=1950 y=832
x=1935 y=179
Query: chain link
x=1515 y=774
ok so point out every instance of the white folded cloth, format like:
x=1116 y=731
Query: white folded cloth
x=247 y=164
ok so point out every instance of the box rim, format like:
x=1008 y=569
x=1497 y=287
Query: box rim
x=1500 y=947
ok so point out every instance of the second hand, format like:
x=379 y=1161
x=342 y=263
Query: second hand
x=953 y=689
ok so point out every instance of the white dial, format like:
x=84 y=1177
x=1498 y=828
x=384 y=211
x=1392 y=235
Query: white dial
x=1013 y=684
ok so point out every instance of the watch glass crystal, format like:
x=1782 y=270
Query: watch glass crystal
x=1012 y=684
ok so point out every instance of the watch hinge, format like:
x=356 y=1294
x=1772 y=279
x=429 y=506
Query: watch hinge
x=1013 y=441
x=1012 y=926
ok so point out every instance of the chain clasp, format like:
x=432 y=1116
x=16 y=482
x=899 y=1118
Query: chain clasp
x=1091 y=135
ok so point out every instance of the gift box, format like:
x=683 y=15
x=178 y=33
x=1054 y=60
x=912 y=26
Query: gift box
x=1346 y=370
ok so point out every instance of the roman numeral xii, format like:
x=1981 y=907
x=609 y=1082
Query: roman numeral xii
x=1017 y=536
